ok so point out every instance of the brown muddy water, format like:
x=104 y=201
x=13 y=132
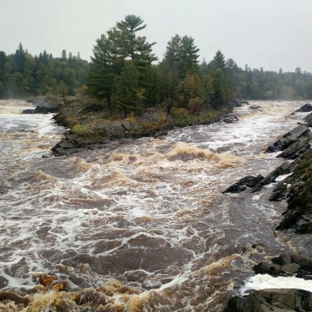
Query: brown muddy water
x=141 y=225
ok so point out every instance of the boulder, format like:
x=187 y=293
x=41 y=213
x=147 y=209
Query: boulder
x=269 y=268
x=28 y=111
x=242 y=184
x=254 y=106
x=45 y=105
x=303 y=109
x=255 y=184
x=229 y=118
x=276 y=300
x=285 y=265
x=244 y=102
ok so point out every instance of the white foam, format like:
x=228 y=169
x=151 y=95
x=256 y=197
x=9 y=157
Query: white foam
x=265 y=281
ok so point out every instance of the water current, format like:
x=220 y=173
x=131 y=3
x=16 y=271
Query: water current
x=143 y=220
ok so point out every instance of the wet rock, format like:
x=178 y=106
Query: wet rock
x=244 y=102
x=306 y=275
x=242 y=184
x=229 y=118
x=308 y=120
x=275 y=300
x=283 y=259
x=297 y=189
x=291 y=268
x=289 y=138
x=28 y=111
x=297 y=148
x=254 y=106
x=285 y=264
x=255 y=184
x=269 y=268
x=45 y=105
x=303 y=109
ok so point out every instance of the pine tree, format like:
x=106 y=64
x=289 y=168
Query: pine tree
x=127 y=94
x=100 y=80
x=20 y=58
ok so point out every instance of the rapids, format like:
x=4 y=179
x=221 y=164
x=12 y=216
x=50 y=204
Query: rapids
x=147 y=216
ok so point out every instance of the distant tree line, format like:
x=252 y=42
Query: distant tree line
x=22 y=74
x=125 y=74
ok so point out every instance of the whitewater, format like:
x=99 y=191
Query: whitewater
x=143 y=221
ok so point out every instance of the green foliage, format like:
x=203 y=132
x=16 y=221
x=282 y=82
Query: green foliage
x=21 y=74
x=127 y=95
x=114 y=54
x=63 y=89
x=124 y=77
x=78 y=129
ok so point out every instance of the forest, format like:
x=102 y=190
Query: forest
x=125 y=75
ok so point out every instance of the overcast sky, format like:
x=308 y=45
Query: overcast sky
x=272 y=34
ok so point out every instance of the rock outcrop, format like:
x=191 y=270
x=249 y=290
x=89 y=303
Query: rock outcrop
x=275 y=300
x=303 y=109
x=286 y=265
x=293 y=143
x=297 y=190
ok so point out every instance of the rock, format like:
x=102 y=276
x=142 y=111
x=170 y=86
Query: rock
x=291 y=268
x=289 y=138
x=244 y=102
x=304 y=109
x=229 y=118
x=45 y=105
x=301 y=145
x=254 y=106
x=298 y=192
x=242 y=184
x=306 y=275
x=276 y=300
x=270 y=178
x=308 y=120
x=283 y=259
x=286 y=264
x=28 y=111
x=269 y=268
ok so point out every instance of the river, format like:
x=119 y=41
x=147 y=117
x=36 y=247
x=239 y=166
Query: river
x=144 y=220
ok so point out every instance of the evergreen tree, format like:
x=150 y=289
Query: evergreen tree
x=127 y=95
x=100 y=81
x=112 y=54
x=64 y=56
x=20 y=58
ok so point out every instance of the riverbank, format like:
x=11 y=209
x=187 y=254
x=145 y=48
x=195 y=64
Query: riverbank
x=294 y=184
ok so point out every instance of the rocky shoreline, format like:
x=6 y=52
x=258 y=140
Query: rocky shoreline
x=296 y=189
x=90 y=127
